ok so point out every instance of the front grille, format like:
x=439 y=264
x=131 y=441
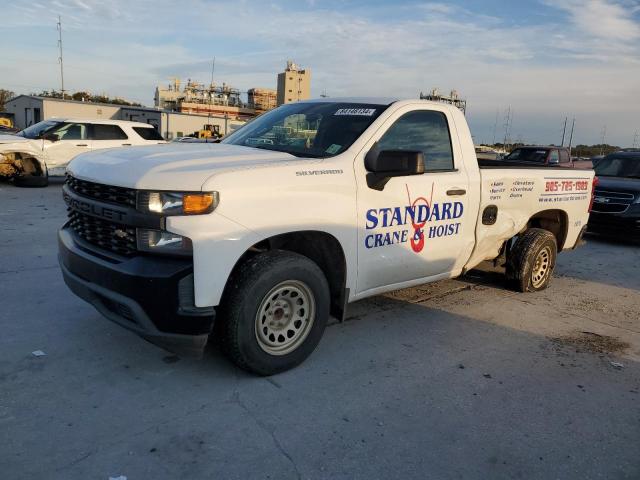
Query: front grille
x=621 y=196
x=106 y=193
x=606 y=201
x=110 y=236
x=609 y=207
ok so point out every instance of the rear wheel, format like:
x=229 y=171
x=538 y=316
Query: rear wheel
x=532 y=259
x=274 y=312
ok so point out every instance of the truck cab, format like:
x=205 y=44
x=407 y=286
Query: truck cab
x=309 y=207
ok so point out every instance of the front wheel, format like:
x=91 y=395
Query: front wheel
x=532 y=259
x=274 y=312
x=34 y=177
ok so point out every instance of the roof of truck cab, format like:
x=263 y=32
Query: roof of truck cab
x=363 y=100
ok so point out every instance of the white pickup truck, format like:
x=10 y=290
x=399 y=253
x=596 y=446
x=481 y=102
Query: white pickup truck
x=45 y=148
x=307 y=208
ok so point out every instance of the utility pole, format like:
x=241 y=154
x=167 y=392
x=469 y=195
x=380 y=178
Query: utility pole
x=495 y=127
x=635 y=140
x=507 y=125
x=564 y=130
x=573 y=124
x=59 y=26
x=604 y=135
x=213 y=66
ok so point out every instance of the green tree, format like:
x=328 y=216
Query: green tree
x=5 y=96
x=81 y=96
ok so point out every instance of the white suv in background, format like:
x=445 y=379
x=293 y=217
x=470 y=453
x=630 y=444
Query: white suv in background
x=44 y=149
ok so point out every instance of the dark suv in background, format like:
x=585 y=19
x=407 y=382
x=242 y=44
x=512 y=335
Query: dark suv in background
x=616 y=204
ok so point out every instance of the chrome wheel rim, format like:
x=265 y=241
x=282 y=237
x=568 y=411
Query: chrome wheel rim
x=285 y=317
x=541 y=267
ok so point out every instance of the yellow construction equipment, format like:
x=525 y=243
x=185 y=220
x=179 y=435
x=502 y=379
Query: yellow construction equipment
x=208 y=131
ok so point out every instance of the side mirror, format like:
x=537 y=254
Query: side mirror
x=52 y=137
x=385 y=164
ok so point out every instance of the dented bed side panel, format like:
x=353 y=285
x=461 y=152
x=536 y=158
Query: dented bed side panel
x=521 y=194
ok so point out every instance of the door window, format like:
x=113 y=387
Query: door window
x=108 y=132
x=425 y=131
x=71 y=131
x=554 y=157
x=148 y=133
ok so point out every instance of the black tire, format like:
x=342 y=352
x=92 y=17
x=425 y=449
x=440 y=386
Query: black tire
x=244 y=296
x=524 y=272
x=32 y=181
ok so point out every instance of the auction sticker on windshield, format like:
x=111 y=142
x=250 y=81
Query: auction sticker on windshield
x=360 y=112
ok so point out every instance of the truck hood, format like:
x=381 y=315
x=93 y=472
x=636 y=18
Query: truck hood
x=4 y=138
x=170 y=166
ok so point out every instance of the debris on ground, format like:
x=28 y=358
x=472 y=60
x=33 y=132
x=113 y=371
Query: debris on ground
x=120 y=477
x=591 y=342
x=38 y=353
x=617 y=365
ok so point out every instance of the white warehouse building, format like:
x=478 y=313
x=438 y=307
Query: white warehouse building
x=30 y=109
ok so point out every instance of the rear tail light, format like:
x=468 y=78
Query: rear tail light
x=594 y=184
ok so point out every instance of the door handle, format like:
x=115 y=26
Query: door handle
x=456 y=191
x=81 y=145
x=126 y=144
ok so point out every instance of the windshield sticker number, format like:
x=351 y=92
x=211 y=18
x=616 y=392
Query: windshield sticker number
x=333 y=149
x=359 y=112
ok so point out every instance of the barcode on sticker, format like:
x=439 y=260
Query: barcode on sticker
x=361 y=112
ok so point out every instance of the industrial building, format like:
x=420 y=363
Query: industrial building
x=202 y=99
x=30 y=109
x=452 y=99
x=262 y=99
x=294 y=84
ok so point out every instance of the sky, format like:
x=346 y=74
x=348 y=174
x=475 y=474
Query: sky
x=543 y=59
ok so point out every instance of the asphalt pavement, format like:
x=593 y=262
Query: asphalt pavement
x=463 y=379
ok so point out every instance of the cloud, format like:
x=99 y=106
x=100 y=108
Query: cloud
x=602 y=19
x=582 y=59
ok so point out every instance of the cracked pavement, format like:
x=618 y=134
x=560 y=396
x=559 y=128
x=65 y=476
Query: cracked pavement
x=459 y=379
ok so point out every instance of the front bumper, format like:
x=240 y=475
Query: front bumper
x=623 y=226
x=152 y=296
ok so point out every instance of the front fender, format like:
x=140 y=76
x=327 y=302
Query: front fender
x=218 y=244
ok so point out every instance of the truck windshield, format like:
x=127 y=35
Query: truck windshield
x=316 y=130
x=618 y=167
x=36 y=130
x=537 y=155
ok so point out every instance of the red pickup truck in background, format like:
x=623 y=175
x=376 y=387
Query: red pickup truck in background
x=544 y=155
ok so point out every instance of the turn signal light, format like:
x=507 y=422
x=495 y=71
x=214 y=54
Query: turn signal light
x=197 y=203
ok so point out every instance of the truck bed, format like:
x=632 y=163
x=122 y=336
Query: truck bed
x=484 y=164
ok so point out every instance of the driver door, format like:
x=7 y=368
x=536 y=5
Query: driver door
x=73 y=139
x=417 y=227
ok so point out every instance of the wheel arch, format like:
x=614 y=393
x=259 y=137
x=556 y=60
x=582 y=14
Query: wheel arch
x=321 y=247
x=555 y=221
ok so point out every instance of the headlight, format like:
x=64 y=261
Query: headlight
x=160 y=241
x=177 y=203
